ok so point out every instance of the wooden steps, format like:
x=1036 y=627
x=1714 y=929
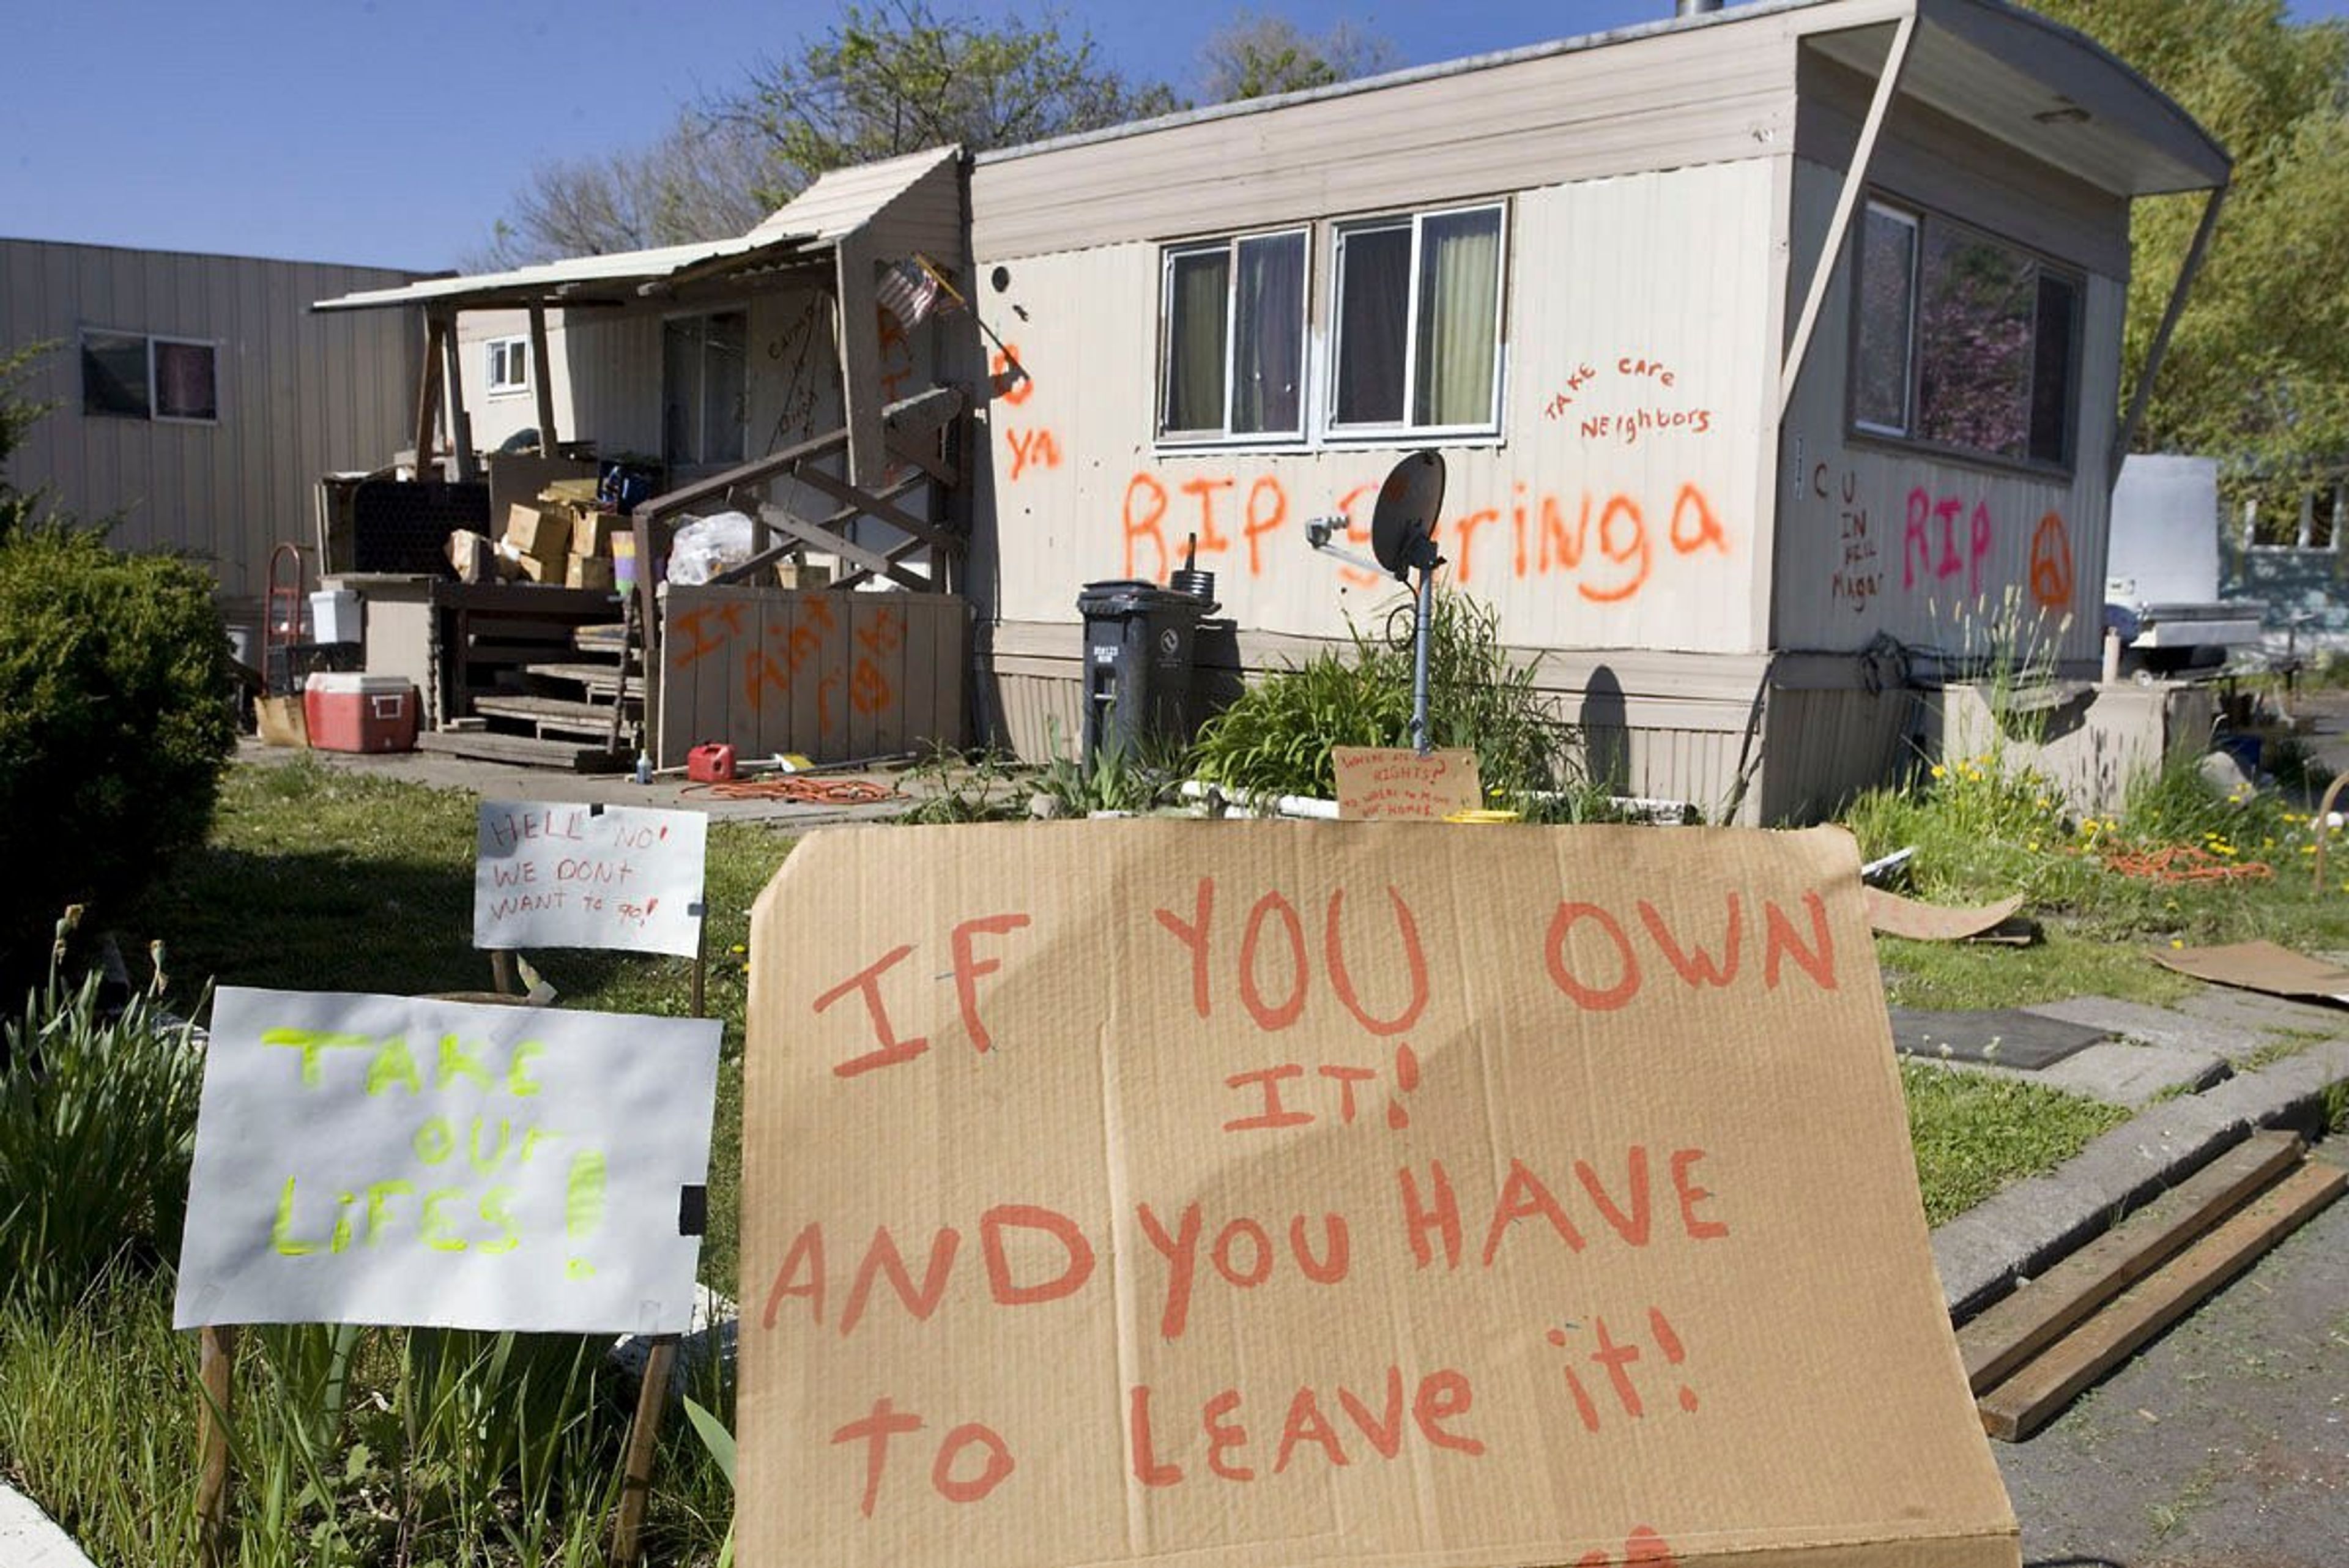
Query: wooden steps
x=525 y=751
x=2028 y=1357
x=547 y=716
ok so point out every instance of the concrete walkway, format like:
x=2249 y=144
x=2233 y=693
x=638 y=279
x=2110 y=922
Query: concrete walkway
x=504 y=780
x=2201 y=1077
x=28 y=1538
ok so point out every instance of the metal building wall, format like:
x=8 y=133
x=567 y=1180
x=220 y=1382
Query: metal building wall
x=300 y=395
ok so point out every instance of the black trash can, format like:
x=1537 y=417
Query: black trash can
x=1138 y=638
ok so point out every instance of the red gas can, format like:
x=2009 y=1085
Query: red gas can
x=710 y=764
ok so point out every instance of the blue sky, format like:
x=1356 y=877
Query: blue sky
x=396 y=131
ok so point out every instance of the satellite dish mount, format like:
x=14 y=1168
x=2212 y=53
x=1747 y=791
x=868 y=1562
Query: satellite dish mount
x=1402 y=537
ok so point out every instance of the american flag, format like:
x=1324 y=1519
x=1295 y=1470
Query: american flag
x=907 y=291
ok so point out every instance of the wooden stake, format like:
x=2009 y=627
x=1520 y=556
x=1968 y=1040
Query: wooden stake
x=644 y=1432
x=216 y=1356
x=701 y=965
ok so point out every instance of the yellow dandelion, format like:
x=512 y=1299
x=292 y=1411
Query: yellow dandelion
x=1939 y=772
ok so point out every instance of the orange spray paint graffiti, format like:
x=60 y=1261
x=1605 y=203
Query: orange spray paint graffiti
x=2051 y=563
x=1611 y=544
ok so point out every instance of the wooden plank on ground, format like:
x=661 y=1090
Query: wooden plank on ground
x=2036 y=1393
x=2009 y=1334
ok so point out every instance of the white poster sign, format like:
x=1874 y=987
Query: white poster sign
x=553 y=875
x=388 y=1159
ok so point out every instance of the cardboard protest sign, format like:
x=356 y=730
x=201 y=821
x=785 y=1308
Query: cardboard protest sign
x=1395 y=782
x=1255 y=1195
x=553 y=875
x=392 y=1160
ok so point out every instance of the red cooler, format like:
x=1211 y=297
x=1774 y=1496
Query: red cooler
x=360 y=713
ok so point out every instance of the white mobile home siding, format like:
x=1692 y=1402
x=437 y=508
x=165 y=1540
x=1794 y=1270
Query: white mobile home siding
x=1583 y=526
x=299 y=395
x=1880 y=538
x=1643 y=190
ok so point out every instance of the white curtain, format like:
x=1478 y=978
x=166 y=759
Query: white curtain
x=1460 y=317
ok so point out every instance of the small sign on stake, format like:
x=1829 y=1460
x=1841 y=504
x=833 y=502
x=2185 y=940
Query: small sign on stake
x=388 y=1159
x=1395 y=782
x=547 y=875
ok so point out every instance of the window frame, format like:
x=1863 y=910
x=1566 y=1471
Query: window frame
x=1925 y=220
x=516 y=351
x=147 y=341
x=1329 y=427
x=1229 y=245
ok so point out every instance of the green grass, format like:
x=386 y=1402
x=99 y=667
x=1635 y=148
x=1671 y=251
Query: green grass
x=413 y=1445
x=1974 y=1134
x=350 y=1447
x=319 y=879
x=1982 y=833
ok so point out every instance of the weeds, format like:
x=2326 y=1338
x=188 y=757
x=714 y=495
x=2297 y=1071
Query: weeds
x=1275 y=738
x=98 y=1118
x=986 y=787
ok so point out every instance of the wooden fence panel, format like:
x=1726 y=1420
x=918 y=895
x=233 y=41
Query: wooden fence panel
x=834 y=676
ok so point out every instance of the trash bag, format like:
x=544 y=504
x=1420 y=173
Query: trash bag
x=709 y=545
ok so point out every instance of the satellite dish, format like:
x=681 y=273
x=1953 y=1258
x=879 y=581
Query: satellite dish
x=1402 y=524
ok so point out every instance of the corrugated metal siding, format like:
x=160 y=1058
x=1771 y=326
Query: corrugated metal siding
x=299 y=395
x=1703 y=95
x=1879 y=537
x=1579 y=534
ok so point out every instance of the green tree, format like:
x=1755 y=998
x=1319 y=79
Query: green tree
x=18 y=415
x=1257 y=54
x=899 y=75
x=114 y=716
x=2257 y=372
x=698 y=181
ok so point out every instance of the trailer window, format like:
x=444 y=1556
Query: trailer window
x=1232 y=346
x=137 y=376
x=1962 y=341
x=509 y=365
x=1417 y=324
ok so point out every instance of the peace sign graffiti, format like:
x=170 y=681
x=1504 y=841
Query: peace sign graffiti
x=2051 y=563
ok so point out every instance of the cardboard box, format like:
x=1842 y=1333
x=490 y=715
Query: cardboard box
x=593 y=530
x=279 y=722
x=588 y=572
x=541 y=531
x=802 y=574
x=540 y=569
x=580 y=491
x=470 y=554
x=359 y=713
x=1266 y=1193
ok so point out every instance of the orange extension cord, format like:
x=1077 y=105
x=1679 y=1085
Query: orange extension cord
x=2185 y=863
x=800 y=791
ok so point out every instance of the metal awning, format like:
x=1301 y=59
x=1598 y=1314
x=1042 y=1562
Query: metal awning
x=2044 y=88
x=806 y=229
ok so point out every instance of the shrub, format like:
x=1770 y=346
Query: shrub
x=114 y=726
x=1275 y=737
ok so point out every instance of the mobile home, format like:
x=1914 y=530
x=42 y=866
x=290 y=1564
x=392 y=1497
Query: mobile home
x=1774 y=353
x=195 y=398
